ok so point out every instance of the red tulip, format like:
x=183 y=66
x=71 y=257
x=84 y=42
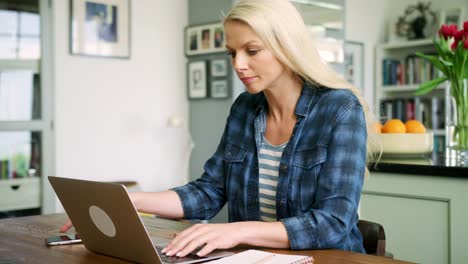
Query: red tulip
x=465 y=44
x=444 y=32
x=448 y=31
x=454 y=45
x=458 y=35
x=465 y=27
x=453 y=28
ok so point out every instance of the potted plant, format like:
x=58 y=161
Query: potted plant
x=451 y=60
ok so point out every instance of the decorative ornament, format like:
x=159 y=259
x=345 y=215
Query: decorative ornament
x=418 y=22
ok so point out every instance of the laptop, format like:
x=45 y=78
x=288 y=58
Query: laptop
x=109 y=224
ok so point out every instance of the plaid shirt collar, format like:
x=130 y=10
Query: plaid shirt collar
x=303 y=105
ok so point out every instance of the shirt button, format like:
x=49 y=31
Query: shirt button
x=284 y=166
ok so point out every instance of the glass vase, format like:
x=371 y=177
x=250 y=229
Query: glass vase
x=456 y=107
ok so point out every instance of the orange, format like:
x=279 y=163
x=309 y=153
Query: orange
x=394 y=126
x=414 y=126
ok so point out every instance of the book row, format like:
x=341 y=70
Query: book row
x=430 y=111
x=411 y=70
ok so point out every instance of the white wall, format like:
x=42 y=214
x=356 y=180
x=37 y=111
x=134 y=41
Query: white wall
x=364 y=23
x=111 y=114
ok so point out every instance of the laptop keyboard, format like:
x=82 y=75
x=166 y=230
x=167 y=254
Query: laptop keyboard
x=174 y=259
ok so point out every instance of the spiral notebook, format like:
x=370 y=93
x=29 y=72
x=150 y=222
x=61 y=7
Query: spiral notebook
x=262 y=257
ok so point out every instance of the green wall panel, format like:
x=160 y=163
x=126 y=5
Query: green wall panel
x=425 y=217
x=417 y=229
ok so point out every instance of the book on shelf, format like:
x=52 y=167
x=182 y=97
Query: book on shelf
x=253 y=256
x=4 y=169
x=423 y=112
x=438 y=113
x=386 y=110
x=410 y=109
x=430 y=111
x=439 y=144
x=409 y=71
x=398 y=108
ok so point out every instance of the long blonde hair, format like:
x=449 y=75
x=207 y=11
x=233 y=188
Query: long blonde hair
x=280 y=26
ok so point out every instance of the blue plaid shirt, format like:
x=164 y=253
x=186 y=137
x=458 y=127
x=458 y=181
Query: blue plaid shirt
x=320 y=176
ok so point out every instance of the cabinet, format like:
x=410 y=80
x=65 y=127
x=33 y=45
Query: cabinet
x=398 y=74
x=20 y=194
x=424 y=216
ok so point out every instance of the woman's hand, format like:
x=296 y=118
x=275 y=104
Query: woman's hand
x=66 y=226
x=210 y=236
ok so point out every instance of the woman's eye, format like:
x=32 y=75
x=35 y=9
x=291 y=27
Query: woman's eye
x=232 y=54
x=252 y=52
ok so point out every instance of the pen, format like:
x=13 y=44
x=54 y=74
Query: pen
x=264 y=260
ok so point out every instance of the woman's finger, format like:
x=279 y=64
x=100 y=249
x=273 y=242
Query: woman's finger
x=66 y=226
x=182 y=240
x=195 y=244
x=210 y=246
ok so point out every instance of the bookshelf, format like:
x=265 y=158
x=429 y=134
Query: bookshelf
x=398 y=74
x=26 y=110
x=22 y=130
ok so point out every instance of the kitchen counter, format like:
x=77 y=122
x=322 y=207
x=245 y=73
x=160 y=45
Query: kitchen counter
x=428 y=165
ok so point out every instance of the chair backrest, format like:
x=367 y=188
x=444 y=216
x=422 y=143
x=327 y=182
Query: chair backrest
x=373 y=236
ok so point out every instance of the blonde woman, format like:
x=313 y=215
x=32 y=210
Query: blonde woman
x=292 y=159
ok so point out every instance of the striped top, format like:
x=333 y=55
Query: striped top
x=269 y=157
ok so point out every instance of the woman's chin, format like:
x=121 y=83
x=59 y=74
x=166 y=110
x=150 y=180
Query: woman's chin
x=251 y=89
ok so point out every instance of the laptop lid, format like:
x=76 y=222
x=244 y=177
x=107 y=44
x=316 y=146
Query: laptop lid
x=105 y=218
x=109 y=224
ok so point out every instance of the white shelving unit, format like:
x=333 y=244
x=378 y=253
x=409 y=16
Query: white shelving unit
x=21 y=193
x=400 y=51
x=31 y=191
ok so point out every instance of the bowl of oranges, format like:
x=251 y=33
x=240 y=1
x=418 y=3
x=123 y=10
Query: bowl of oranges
x=405 y=138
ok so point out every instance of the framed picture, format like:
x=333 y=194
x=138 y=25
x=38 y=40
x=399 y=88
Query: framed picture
x=218 y=68
x=100 y=28
x=354 y=63
x=204 y=39
x=453 y=16
x=219 y=89
x=197 y=80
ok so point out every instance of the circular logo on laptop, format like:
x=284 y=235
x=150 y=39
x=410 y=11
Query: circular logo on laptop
x=102 y=221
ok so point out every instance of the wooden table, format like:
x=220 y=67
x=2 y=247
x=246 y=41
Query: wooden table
x=22 y=241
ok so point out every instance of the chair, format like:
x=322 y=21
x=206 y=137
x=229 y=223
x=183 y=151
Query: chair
x=373 y=236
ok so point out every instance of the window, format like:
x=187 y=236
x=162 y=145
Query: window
x=20 y=35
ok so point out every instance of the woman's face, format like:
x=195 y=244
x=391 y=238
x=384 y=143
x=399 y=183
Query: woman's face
x=254 y=64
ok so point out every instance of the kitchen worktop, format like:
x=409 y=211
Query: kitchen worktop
x=435 y=164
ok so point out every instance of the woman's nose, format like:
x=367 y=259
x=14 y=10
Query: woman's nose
x=240 y=63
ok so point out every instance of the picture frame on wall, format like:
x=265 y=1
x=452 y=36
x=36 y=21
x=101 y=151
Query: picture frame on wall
x=354 y=63
x=100 y=28
x=219 y=68
x=453 y=16
x=204 y=39
x=219 y=89
x=197 y=81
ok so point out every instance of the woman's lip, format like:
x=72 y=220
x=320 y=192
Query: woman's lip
x=247 y=80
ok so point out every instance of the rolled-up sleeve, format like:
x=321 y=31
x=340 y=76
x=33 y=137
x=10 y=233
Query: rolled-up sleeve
x=339 y=182
x=204 y=197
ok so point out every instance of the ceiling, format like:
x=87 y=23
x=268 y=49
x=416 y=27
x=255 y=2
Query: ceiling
x=321 y=13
